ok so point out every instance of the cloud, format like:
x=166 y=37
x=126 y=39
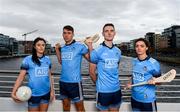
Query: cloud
x=131 y=18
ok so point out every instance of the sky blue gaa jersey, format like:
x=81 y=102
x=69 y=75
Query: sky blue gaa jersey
x=71 y=56
x=143 y=70
x=107 y=60
x=38 y=76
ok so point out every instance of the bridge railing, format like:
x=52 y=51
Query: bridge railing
x=166 y=92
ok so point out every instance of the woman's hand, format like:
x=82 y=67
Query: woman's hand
x=14 y=97
x=152 y=81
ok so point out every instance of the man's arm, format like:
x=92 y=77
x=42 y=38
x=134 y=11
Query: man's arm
x=87 y=56
x=92 y=72
x=58 y=53
x=90 y=48
x=92 y=66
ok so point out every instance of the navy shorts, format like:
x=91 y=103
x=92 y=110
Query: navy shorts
x=35 y=101
x=140 y=106
x=72 y=91
x=109 y=100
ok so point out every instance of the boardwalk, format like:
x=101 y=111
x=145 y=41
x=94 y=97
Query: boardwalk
x=167 y=92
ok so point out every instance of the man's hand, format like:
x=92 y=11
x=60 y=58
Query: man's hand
x=88 y=41
x=57 y=46
x=58 y=52
x=128 y=85
x=52 y=96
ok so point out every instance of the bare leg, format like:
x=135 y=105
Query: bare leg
x=66 y=104
x=80 y=106
x=33 y=109
x=44 y=107
x=114 y=109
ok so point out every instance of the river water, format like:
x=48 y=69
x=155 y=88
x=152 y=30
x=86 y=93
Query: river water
x=125 y=65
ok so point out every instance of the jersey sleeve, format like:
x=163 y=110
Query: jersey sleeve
x=157 y=69
x=49 y=61
x=94 y=57
x=50 y=64
x=120 y=54
x=84 y=49
x=25 y=65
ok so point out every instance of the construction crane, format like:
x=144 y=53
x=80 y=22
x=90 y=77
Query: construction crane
x=28 y=33
x=25 y=34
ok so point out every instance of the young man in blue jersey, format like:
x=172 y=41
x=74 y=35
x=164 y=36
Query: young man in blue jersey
x=70 y=56
x=145 y=68
x=38 y=68
x=106 y=58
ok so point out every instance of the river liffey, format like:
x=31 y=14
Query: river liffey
x=125 y=65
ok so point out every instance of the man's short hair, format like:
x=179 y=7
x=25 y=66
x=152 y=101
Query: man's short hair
x=108 y=24
x=68 y=27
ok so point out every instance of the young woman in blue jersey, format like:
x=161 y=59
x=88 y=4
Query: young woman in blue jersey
x=145 y=68
x=70 y=57
x=38 y=69
x=106 y=58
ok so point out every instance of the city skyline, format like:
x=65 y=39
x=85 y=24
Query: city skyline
x=132 y=19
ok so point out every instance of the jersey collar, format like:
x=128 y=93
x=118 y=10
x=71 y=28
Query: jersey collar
x=107 y=46
x=71 y=43
x=147 y=58
x=41 y=56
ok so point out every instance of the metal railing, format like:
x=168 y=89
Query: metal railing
x=167 y=92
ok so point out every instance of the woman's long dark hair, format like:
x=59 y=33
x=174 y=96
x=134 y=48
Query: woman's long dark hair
x=145 y=42
x=35 y=58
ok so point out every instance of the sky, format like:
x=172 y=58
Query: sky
x=132 y=18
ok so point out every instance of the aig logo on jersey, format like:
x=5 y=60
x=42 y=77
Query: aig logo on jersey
x=67 y=56
x=138 y=76
x=41 y=71
x=111 y=63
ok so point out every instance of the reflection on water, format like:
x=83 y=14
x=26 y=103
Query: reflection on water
x=125 y=65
